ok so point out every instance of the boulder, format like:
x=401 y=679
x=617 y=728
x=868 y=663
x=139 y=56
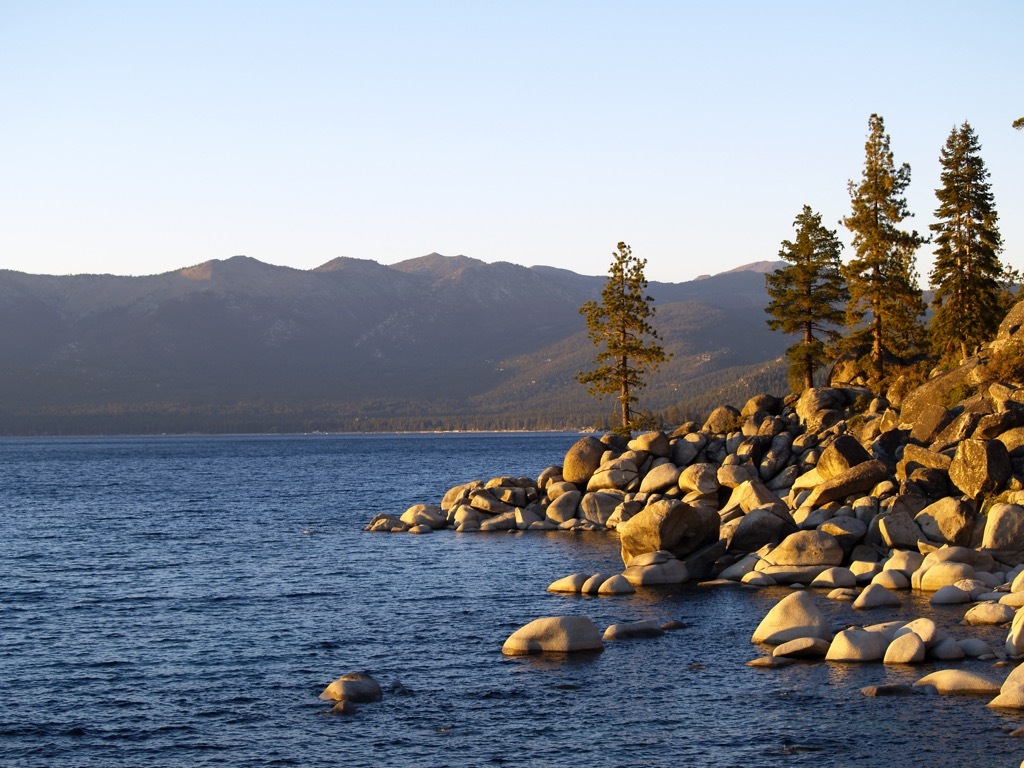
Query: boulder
x=620 y=474
x=959 y=681
x=661 y=478
x=564 y=507
x=944 y=574
x=654 y=443
x=949 y=595
x=905 y=649
x=759 y=527
x=947 y=521
x=980 y=467
x=723 y=419
x=989 y=614
x=803 y=648
x=1014 y=645
x=356 y=687
x=835 y=577
x=858 y=479
x=572 y=583
x=1011 y=692
x=582 y=460
x=857 y=645
x=385 y=523
x=670 y=571
x=794 y=616
x=1004 y=528
x=554 y=634
x=849 y=531
x=633 y=629
x=424 y=514
x=841 y=454
x=599 y=506
x=702 y=478
x=807 y=548
x=670 y=525
x=616 y=585
x=899 y=531
x=876 y=596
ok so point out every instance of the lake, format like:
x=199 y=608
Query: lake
x=175 y=601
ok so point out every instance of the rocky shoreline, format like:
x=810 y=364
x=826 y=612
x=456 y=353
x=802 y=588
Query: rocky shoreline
x=837 y=490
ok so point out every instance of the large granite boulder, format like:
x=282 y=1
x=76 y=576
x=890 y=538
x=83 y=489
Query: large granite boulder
x=670 y=525
x=554 y=634
x=794 y=616
x=980 y=467
x=722 y=420
x=582 y=460
x=858 y=645
x=948 y=521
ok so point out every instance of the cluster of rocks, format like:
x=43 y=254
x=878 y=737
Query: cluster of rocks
x=798 y=629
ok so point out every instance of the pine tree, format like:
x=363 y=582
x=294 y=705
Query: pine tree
x=620 y=328
x=967 y=273
x=885 y=300
x=806 y=296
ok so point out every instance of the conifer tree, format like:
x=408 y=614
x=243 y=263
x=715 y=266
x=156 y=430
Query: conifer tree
x=885 y=303
x=627 y=343
x=967 y=272
x=806 y=296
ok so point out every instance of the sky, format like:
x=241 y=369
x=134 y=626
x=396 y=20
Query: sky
x=141 y=137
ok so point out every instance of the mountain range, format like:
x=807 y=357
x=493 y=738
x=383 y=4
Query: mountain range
x=434 y=342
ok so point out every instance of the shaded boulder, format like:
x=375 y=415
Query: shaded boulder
x=582 y=460
x=947 y=521
x=794 y=616
x=807 y=548
x=599 y=506
x=841 y=454
x=670 y=525
x=554 y=634
x=858 y=479
x=633 y=629
x=757 y=528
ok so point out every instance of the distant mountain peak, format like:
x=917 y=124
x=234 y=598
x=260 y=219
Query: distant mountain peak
x=760 y=267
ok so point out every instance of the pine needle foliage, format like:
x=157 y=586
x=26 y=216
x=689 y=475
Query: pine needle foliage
x=967 y=273
x=886 y=304
x=806 y=297
x=620 y=327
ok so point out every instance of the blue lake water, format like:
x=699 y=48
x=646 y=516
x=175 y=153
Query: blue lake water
x=183 y=600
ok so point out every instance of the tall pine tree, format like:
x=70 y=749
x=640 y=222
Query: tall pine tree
x=967 y=272
x=627 y=343
x=807 y=295
x=885 y=300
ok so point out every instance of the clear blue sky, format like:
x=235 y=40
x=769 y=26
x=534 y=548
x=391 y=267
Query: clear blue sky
x=140 y=137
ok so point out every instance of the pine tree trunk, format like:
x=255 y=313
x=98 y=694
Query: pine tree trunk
x=808 y=357
x=624 y=397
